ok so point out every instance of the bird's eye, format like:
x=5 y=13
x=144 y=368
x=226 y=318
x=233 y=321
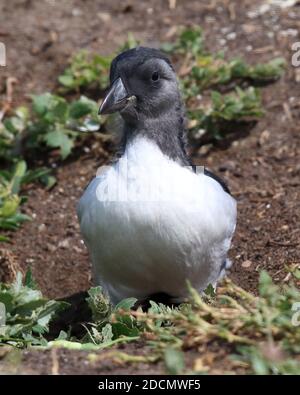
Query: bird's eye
x=155 y=76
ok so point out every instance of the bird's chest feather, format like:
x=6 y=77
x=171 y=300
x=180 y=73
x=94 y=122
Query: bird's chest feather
x=148 y=216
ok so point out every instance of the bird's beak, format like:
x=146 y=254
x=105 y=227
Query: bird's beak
x=116 y=99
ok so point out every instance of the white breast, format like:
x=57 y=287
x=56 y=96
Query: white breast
x=150 y=224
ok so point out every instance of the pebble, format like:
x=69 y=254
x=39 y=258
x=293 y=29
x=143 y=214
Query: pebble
x=76 y=12
x=64 y=244
x=231 y=36
x=225 y=30
x=297 y=75
x=104 y=16
x=51 y=247
x=41 y=227
x=265 y=135
x=246 y=264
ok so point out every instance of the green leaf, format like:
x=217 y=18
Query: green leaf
x=62 y=335
x=82 y=107
x=20 y=171
x=60 y=140
x=107 y=333
x=61 y=110
x=99 y=305
x=17 y=284
x=210 y=291
x=8 y=211
x=26 y=308
x=22 y=112
x=50 y=108
x=121 y=329
x=266 y=286
x=29 y=281
x=66 y=80
x=126 y=304
x=174 y=361
x=41 y=103
x=7 y=299
x=259 y=365
x=48 y=180
x=32 y=175
x=45 y=313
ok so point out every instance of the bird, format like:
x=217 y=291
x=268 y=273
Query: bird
x=151 y=220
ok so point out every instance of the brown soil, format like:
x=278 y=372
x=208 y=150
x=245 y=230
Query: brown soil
x=262 y=168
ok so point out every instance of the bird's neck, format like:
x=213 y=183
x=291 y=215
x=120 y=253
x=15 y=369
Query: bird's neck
x=166 y=131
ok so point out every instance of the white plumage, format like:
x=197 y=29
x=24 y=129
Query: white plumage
x=150 y=224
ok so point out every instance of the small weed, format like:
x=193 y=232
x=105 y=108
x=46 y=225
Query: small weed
x=201 y=71
x=240 y=105
x=27 y=313
x=84 y=70
x=10 y=198
x=87 y=70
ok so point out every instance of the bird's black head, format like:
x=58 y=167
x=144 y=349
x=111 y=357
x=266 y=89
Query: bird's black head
x=143 y=85
x=144 y=90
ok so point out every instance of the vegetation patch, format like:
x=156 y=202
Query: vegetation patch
x=259 y=333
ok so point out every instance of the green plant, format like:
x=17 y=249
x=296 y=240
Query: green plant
x=52 y=123
x=87 y=70
x=256 y=332
x=84 y=70
x=200 y=71
x=56 y=123
x=108 y=325
x=11 y=132
x=190 y=41
x=211 y=71
x=233 y=107
x=27 y=313
x=130 y=43
x=10 y=199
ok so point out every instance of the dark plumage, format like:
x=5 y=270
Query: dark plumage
x=139 y=55
x=167 y=129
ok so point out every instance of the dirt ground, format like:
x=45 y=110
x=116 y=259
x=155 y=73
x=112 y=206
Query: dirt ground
x=261 y=168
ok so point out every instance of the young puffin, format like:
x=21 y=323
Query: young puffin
x=149 y=220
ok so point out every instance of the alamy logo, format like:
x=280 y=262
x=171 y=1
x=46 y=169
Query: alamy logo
x=2 y=315
x=2 y=55
x=131 y=187
x=296 y=315
x=296 y=55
